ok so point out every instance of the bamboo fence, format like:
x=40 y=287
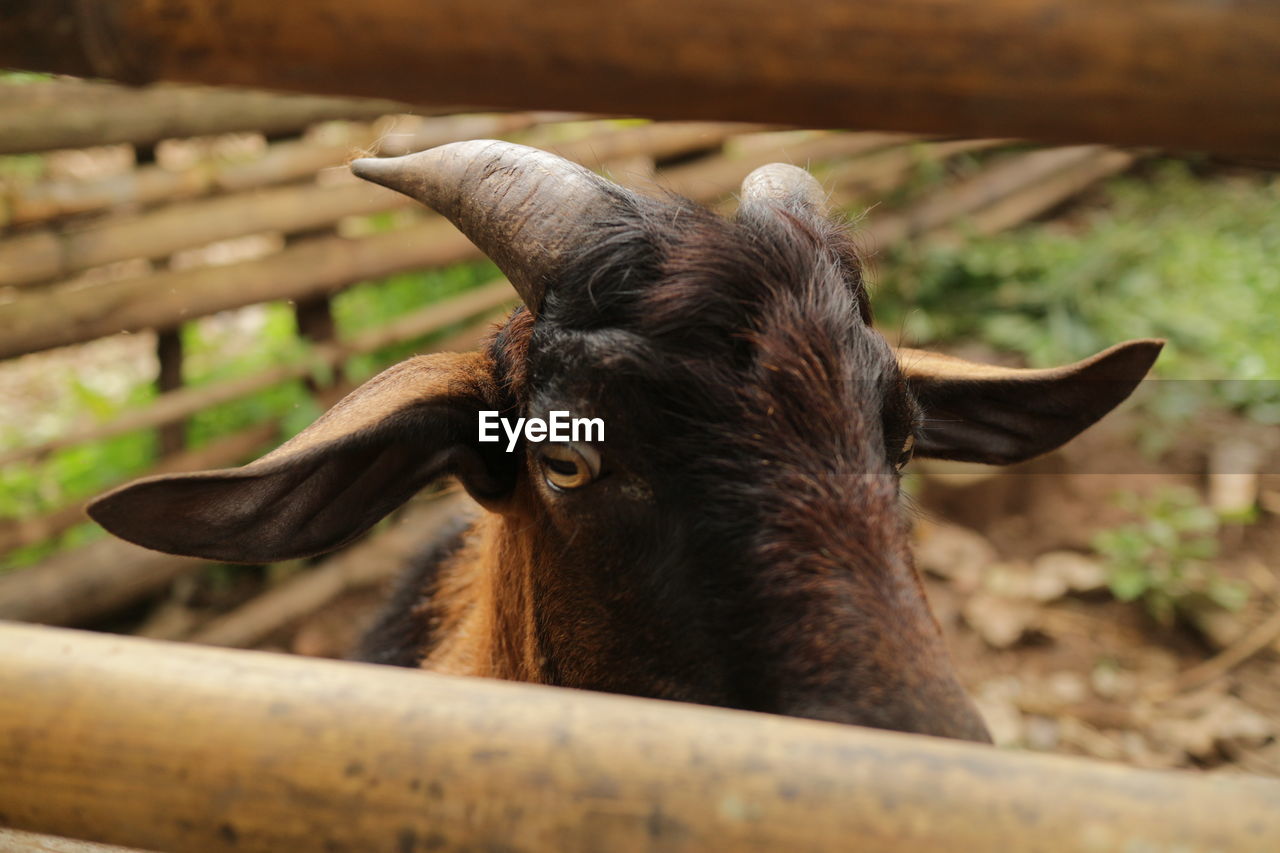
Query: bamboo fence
x=83 y=257
x=88 y=257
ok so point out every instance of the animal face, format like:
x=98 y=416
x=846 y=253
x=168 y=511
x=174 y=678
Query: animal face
x=736 y=539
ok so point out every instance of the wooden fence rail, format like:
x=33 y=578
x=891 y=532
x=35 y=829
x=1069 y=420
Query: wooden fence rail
x=283 y=161
x=79 y=114
x=1171 y=72
x=179 y=747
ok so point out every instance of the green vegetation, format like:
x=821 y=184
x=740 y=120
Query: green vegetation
x=220 y=348
x=1166 y=255
x=1163 y=558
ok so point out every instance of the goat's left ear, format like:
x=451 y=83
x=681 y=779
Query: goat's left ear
x=409 y=425
x=1000 y=415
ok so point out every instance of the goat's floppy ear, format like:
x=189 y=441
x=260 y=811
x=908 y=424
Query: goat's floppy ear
x=370 y=453
x=1000 y=415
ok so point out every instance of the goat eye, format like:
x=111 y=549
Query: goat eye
x=569 y=466
x=904 y=456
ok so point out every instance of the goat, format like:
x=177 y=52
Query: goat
x=738 y=539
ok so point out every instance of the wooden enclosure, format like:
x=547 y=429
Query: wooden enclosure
x=196 y=749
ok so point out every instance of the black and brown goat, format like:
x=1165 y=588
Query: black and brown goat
x=737 y=540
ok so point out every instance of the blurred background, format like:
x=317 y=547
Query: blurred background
x=189 y=276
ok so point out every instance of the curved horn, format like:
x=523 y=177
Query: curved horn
x=524 y=208
x=786 y=185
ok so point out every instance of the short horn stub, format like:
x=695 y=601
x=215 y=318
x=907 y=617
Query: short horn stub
x=786 y=185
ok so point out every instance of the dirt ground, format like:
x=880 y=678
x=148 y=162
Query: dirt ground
x=1055 y=662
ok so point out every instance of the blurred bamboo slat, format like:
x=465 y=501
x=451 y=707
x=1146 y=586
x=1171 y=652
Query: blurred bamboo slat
x=881 y=171
x=281 y=162
x=59 y=316
x=1180 y=73
x=718 y=176
x=185 y=402
x=366 y=564
x=989 y=186
x=1040 y=197
x=658 y=140
x=79 y=585
x=42 y=255
x=78 y=114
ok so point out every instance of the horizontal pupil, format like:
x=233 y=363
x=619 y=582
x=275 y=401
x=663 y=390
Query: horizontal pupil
x=561 y=466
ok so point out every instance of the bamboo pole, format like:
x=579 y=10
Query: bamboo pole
x=1181 y=73
x=59 y=316
x=982 y=190
x=185 y=402
x=367 y=564
x=285 y=161
x=881 y=171
x=79 y=114
x=715 y=177
x=75 y=587
x=42 y=255
x=1040 y=198
x=181 y=747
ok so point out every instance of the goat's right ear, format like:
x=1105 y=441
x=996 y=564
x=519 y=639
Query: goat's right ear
x=405 y=427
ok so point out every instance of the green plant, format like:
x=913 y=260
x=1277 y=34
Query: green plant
x=1163 y=558
x=1168 y=254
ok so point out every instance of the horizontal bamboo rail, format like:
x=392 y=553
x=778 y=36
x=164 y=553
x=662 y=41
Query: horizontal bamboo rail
x=882 y=171
x=78 y=586
x=42 y=255
x=282 y=162
x=1182 y=73
x=68 y=315
x=80 y=114
x=973 y=194
x=722 y=174
x=179 y=747
x=1036 y=199
x=185 y=402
